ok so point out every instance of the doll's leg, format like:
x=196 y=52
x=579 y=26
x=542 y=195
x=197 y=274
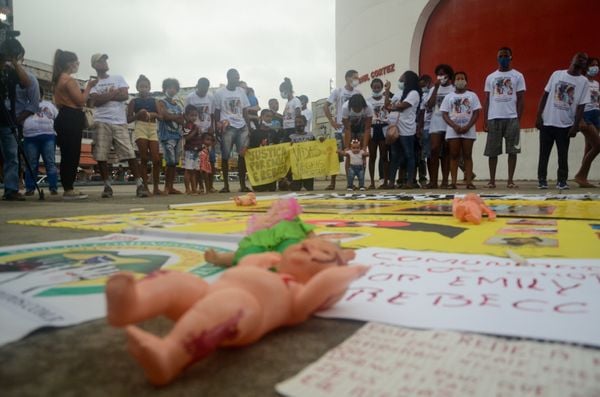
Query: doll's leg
x=167 y=293
x=219 y=258
x=224 y=317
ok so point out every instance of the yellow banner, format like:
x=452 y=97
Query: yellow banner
x=267 y=164
x=314 y=158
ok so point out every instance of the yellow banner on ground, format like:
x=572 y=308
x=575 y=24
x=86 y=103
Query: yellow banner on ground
x=267 y=164
x=314 y=158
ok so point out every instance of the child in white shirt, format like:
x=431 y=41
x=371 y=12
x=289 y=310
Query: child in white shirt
x=355 y=164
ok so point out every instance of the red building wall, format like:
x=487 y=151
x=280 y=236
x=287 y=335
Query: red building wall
x=543 y=34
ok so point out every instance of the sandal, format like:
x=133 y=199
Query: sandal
x=451 y=186
x=470 y=186
x=491 y=185
x=330 y=187
x=512 y=185
x=431 y=186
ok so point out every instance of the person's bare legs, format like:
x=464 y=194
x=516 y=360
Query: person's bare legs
x=592 y=148
x=156 y=166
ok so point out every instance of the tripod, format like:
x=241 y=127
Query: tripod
x=21 y=151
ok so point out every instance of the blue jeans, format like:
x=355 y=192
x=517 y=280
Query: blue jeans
x=171 y=151
x=356 y=171
x=46 y=146
x=403 y=155
x=10 y=153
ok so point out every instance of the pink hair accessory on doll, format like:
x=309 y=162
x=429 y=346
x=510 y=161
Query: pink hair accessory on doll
x=281 y=210
x=471 y=209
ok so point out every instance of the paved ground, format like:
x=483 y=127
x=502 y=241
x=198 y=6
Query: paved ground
x=91 y=359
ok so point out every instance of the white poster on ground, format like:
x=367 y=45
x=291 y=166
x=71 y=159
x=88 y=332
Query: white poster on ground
x=554 y=299
x=381 y=361
x=62 y=283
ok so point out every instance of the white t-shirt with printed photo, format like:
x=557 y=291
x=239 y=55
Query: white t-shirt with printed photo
x=565 y=93
x=437 y=122
x=339 y=97
x=407 y=119
x=205 y=106
x=380 y=114
x=356 y=120
x=503 y=88
x=232 y=105
x=460 y=108
x=594 y=97
x=42 y=122
x=112 y=112
x=289 y=112
x=308 y=115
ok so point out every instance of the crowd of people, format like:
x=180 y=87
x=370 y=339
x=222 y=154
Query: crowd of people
x=427 y=124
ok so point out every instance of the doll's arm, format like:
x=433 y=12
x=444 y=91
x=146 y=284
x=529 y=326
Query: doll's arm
x=265 y=260
x=323 y=290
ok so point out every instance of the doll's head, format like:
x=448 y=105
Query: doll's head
x=282 y=209
x=311 y=256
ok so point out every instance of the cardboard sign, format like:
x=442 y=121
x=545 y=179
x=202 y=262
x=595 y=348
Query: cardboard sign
x=554 y=299
x=267 y=164
x=383 y=361
x=314 y=158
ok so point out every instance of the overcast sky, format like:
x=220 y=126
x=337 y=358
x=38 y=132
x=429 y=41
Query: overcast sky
x=266 y=40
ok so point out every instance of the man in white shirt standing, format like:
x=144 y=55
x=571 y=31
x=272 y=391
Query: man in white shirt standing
x=339 y=96
x=558 y=117
x=110 y=122
x=503 y=108
x=231 y=114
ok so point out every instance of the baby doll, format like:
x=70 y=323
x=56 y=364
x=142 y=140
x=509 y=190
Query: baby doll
x=238 y=309
x=471 y=209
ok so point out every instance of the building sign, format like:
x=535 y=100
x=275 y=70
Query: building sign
x=391 y=68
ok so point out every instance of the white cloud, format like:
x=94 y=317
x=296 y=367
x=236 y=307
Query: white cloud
x=265 y=40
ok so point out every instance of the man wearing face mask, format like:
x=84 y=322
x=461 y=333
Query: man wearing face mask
x=503 y=108
x=559 y=114
x=339 y=97
x=591 y=119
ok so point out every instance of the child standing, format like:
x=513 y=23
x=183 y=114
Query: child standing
x=355 y=164
x=300 y=135
x=192 y=146
x=206 y=169
x=264 y=135
x=170 y=112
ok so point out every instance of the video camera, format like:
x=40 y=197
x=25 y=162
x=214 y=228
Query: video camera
x=10 y=47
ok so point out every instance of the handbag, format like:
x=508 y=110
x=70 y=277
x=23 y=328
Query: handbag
x=88 y=118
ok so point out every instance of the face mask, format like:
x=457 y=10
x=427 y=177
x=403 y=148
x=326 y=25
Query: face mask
x=284 y=94
x=354 y=83
x=355 y=114
x=504 y=62
x=401 y=85
x=267 y=124
x=442 y=79
x=592 y=71
x=460 y=84
x=168 y=95
x=376 y=93
x=425 y=90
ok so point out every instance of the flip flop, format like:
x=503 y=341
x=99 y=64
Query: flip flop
x=512 y=186
x=470 y=186
x=330 y=187
x=491 y=185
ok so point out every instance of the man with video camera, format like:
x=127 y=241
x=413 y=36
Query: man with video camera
x=11 y=74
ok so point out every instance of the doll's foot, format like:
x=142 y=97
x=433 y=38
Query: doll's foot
x=120 y=299
x=216 y=258
x=154 y=355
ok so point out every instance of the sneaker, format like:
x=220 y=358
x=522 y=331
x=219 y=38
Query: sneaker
x=542 y=185
x=30 y=193
x=562 y=186
x=350 y=189
x=13 y=196
x=108 y=192
x=362 y=189
x=74 y=195
x=141 y=191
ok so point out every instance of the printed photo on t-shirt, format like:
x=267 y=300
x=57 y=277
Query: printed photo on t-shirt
x=564 y=95
x=438 y=101
x=203 y=112
x=234 y=106
x=503 y=89
x=461 y=110
x=594 y=96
